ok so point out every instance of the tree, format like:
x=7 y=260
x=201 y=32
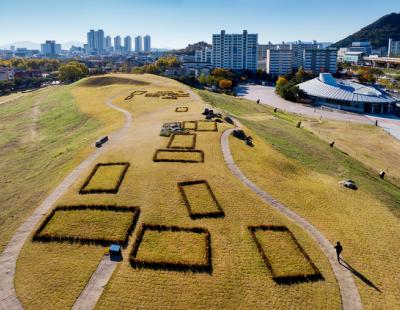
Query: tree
x=225 y=84
x=282 y=81
x=202 y=79
x=72 y=71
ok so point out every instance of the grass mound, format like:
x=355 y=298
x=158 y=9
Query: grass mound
x=182 y=141
x=200 y=200
x=105 y=178
x=88 y=224
x=110 y=80
x=180 y=156
x=283 y=255
x=175 y=248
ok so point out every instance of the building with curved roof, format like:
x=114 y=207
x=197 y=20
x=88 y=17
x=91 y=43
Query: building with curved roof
x=346 y=95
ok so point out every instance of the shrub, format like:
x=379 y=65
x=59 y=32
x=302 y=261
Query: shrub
x=181 y=109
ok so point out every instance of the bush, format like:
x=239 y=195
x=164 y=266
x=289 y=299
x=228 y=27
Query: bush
x=73 y=71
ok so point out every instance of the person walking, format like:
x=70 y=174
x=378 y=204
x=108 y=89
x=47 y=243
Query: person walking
x=339 y=249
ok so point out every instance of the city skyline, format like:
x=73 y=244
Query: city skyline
x=186 y=18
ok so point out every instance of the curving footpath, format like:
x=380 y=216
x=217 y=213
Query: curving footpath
x=8 y=258
x=348 y=290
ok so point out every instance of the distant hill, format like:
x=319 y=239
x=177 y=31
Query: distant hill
x=21 y=44
x=377 y=33
x=191 y=48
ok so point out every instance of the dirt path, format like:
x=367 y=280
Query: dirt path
x=348 y=289
x=8 y=258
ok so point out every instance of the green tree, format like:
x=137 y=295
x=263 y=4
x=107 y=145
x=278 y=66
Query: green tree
x=72 y=71
x=202 y=79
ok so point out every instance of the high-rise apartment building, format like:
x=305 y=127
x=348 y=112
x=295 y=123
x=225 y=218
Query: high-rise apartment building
x=50 y=48
x=95 y=42
x=117 y=44
x=279 y=61
x=107 y=44
x=235 y=51
x=320 y=60
x=138 y=44
x=147 y=44
x=128 y=44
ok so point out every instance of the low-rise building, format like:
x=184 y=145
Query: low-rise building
x=393 y=48
x=6 y=74
x=355 y=58
x=346 y=95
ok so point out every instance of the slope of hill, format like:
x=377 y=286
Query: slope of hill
x=377 y=33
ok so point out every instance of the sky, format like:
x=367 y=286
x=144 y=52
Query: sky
x=176 y=23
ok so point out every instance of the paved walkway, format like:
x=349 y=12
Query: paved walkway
x=93 y=290
x=267 y=96
x=348 y=289
x=8 y=258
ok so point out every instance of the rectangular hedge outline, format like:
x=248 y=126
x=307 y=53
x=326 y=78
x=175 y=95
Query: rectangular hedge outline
x=173 y=266
x=37 y=237
x=114 y=190
x=182 y=147
x=155 y=159
x=215 y=126
x=194 y=122
x=300 y=278
x=181 y=109
x=217 y=214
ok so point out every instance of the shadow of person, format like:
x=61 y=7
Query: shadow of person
x=358 y=274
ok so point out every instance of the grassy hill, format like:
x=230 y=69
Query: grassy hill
x=199 y=200
x=377 y=33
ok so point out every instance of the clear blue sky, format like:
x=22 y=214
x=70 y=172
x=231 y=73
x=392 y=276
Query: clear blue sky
x=174 y=23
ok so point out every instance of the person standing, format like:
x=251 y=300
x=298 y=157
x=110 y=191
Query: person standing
x=339 y=249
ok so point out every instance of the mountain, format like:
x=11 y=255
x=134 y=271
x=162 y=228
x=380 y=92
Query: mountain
x=378 y=33
x=21 y=44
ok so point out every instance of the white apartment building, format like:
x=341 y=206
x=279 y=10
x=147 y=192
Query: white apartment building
x=138 y=44
x=320 y=60
x=394 y=48
x=279 y=61
x=147 y=44
x=235 y=51
x=204 y=55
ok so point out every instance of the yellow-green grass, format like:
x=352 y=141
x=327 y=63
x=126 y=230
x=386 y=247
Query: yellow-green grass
x=370 y=145
x=239 y=278
x=182 y=141
x=45 y=134
x=53 y=275
x=200 y=200
x=106 y=177
x=170 y=155
x=181 y=247
x=302 y=171
x=284 y=256
x=207 y=126
x=89 y=224
x=191 y=125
